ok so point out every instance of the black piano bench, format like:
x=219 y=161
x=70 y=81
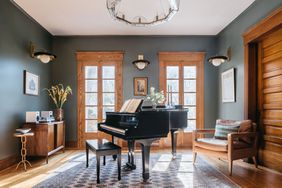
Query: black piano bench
x=102 y=147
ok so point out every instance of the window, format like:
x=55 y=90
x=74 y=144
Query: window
x=183 y=73
x=99 y=75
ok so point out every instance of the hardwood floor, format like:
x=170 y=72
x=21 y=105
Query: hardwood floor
x=245 y=175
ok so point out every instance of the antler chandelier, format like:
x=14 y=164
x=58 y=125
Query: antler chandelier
x=143 y=12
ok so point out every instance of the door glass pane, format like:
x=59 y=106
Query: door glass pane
x=172 y=72
x=107 y=109
x=175 y=98
x=189 y=85
x=91 y=98
x=191 y=125
x=192 y=113
x=90 y=125
x=108 y=72
x=189 y=72
x=108 y=99
x=91 y=85
x=173 y=85
x=91 y=113
x=108 y=85
x=91 y=72
x=189 y=98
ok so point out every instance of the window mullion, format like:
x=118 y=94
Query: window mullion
x=100 y=93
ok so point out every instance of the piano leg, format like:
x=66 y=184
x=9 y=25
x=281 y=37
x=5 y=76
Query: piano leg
x=131 y=146
x=146 y=145
x=113 y=141
x=173 y=142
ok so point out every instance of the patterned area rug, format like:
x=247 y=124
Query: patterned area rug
x=165 y=172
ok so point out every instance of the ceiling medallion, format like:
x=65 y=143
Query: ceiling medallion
x=143 y=13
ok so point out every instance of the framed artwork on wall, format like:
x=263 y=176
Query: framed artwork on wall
x=31 y=83
x=140 y=86
x=228 y=85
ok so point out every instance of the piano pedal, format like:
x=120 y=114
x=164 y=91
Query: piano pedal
x=129 y=167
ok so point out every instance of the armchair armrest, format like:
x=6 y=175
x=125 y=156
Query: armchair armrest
x=233 y=136
x=201 y=131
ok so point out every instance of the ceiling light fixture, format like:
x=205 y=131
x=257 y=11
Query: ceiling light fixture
x=141 y=63
x=219 y=59
x=44 y=57
x=128 y=11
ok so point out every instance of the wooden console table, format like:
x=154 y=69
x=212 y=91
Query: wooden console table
x=48 y=138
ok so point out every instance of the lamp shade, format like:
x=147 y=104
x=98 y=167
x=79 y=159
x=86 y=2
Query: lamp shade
x=44 y=57
x=217 y=60
x=141 y=63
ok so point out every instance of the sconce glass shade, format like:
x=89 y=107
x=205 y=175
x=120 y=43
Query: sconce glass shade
x=217 y=60
x=44 y=57
x=141 y=63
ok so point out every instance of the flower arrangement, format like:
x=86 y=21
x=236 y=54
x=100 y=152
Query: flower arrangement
x=59 y=94
x=155 y=97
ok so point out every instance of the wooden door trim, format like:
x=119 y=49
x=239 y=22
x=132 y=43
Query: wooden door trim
x=251 y=36
x=84 y=58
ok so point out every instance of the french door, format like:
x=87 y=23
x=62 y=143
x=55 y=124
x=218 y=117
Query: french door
x=183 y=73
x=99 y=91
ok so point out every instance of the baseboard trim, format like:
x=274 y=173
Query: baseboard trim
x=8 y=161
x=71 y=145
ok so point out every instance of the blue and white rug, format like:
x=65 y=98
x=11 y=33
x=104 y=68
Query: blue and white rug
x=164 y=172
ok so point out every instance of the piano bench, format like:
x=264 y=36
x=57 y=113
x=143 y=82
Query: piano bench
x=102 y=147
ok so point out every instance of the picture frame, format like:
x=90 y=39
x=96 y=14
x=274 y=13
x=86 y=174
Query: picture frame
x=228 y=85
x=31 y=83
x=140 y=86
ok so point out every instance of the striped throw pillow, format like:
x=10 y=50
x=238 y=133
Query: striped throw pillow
x=221 y=131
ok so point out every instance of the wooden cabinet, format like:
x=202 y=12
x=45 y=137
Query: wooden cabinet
x=48 y=138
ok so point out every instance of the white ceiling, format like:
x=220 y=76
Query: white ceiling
x=91 y=17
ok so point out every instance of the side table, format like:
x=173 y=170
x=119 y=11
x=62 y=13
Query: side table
x=23 y=149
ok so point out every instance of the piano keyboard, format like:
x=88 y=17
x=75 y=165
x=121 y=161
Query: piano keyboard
x=113 y=129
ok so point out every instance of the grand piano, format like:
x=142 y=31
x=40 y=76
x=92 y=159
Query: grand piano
x=144 y=126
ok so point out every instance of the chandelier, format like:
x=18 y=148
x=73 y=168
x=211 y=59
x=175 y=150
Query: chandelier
x=143 y=12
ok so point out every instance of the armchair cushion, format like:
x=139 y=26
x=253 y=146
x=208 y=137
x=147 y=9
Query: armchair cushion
x=219 y=144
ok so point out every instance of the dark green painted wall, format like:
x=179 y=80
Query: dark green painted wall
x=231 y=36
x=64 y=70
x=16 y=31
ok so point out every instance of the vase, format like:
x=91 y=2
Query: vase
x=59 y=114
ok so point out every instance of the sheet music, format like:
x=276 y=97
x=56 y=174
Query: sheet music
x=131 y=105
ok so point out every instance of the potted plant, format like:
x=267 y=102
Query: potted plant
x=59 y=96
x=155 y=97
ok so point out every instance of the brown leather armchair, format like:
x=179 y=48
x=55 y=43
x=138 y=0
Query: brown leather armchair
x=232 y=148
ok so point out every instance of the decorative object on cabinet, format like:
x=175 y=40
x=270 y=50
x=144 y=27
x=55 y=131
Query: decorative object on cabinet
x=219 y=59
x=121 y=10
x=48 y=138
x=43 y=56
x=59 y=96
x=228 y=85
x=155 y=97
x=140 y=86
x=23 y=137
x=31 y=83
x=141 y=63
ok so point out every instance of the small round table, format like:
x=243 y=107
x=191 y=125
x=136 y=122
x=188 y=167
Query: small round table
x=23 y=149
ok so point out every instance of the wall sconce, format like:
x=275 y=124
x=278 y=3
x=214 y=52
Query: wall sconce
x=141 y=63
x=219 y=59
x=44 y=57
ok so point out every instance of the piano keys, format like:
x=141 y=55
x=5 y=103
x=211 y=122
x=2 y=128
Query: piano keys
x=144 y=127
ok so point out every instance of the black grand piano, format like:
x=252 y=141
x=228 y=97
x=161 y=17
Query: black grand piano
x=144 y=126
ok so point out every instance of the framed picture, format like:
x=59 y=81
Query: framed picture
x=228 y=85
x=140 y=86
x=31 y=83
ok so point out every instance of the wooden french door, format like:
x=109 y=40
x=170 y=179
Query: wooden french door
x=270 y=98
x=184 y=73
x=99 y=91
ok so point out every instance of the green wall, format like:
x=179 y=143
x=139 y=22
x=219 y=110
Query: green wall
x=16 y=31
x=231 y=36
